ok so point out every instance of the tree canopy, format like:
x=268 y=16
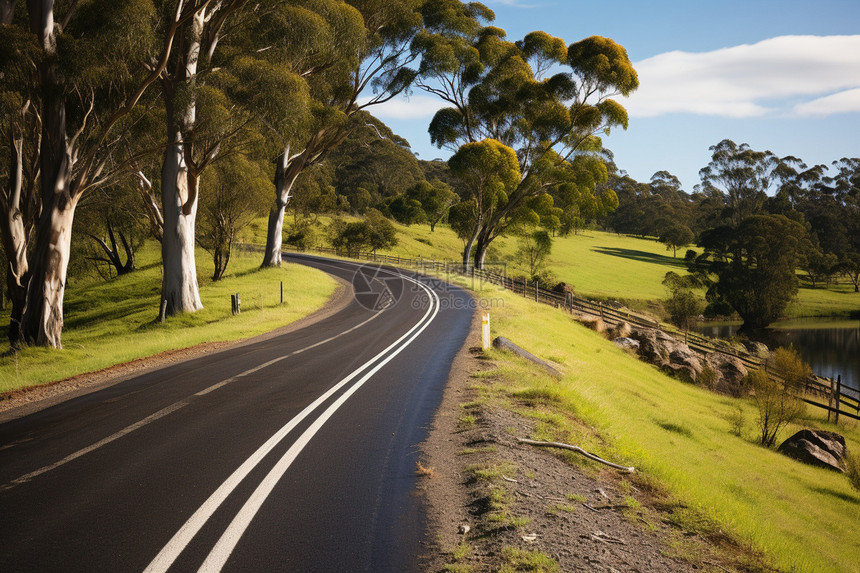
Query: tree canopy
x=501 y=90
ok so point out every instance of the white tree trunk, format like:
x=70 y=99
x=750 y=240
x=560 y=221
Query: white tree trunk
x=14 y=235
x=286 y=173
x=179 y=192
x=274 y=235
x=179 y=208
x=42 y=321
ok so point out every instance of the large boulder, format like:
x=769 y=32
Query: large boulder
x=759 y=349
x=652 y=345
x=688 y=360
x=730 y=373
x=817 y=448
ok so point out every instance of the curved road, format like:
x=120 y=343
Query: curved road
x=293 y=453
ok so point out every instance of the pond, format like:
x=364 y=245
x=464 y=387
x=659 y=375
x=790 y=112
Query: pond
x=830 y=347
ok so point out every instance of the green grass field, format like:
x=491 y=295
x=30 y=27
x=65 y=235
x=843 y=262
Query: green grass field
x=609 y=266
x=107 y=323
x=803 y=518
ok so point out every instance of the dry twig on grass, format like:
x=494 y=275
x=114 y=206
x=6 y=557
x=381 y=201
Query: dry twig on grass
x=578 y=450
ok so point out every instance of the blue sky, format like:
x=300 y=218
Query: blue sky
x=782 y=75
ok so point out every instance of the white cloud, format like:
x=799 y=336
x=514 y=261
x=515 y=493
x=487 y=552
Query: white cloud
x=402 y=108
x=752 y=80
x=842 y=102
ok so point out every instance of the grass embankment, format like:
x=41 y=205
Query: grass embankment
x=679 y=436
x=111 y=322
x=599 y=265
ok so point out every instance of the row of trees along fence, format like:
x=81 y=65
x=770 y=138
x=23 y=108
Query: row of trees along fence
x=841 y=400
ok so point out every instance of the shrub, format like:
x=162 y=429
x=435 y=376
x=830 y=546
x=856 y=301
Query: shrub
x=777 y=400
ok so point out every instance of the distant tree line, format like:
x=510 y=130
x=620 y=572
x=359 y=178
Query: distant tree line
x=757 y=218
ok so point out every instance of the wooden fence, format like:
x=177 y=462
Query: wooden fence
x=840 y=400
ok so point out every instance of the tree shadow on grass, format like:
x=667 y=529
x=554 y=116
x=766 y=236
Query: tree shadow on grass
x=837 y=494
x=642 y=256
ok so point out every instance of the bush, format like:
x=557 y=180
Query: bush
x=375 y=232
x=778 y=400
x=303 y=236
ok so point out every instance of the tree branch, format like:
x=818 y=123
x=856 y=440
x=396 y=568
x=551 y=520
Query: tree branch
x=578 y=450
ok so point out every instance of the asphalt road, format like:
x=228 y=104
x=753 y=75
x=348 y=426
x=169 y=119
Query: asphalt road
x=294 y=453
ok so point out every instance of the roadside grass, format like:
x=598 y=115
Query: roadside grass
x=682 y=440
x=111 y=322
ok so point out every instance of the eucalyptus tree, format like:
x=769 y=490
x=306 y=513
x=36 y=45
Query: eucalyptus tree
x=489 y=171
x=357 y=54
x=20 y=132
x=199 y=119
x=742 y=175
x=435 y=198
x=233 y=198
x=374 y=157
x=93 y=63
x=752 y=266
x=504 y=91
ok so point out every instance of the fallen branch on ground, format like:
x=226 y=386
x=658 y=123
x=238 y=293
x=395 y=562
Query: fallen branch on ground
x=578 y=450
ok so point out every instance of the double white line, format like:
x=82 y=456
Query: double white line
x=225 y=545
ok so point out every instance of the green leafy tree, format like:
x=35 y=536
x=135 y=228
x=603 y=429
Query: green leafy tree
x=742 y=175
x=235 y=197
x=356 y=48
x=374 y=232
x=676 y=235
x=499 y=90
x=111 y=218
x=534 y=249
x=754 y=265
x=489 y=171
x=820 y=267
x=405 y=210
x=682 y=304
x=435 y=198
x=89 y=65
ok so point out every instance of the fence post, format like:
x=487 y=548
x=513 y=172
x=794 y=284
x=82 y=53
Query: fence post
x=536 y=291
x=282 y=292
x=162 y=315
x=838 y=398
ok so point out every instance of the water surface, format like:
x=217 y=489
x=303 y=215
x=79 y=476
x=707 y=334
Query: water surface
x=830 y=347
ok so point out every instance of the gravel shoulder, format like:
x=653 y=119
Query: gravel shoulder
x=495 y=504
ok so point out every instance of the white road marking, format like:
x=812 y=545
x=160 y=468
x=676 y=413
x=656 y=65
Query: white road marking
x=127 y=430
x=224 y=548
x=169 y=410
x=225 y=545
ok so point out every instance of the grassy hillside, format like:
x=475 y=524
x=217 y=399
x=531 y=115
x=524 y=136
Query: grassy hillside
x=680 y=437
x=111 y=322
